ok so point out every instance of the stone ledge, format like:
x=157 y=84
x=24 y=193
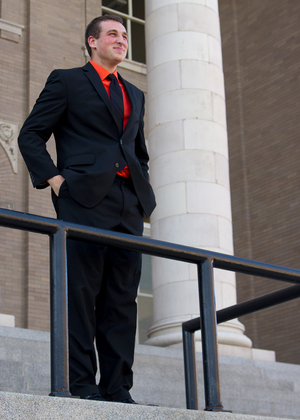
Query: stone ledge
x=24 y=334
x=21 y=406
x=10 y=30
x=7 y=320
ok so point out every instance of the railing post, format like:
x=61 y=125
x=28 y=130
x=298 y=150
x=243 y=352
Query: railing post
x=190 y=370
x=59 y=315
x=209 y=337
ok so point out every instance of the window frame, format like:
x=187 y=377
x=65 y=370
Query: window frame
x=148 y=295
x=128 y=18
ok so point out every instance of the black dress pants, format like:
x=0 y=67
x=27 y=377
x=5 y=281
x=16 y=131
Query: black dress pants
x=102 y=287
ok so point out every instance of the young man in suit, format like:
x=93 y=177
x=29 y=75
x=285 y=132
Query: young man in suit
x=100 y=180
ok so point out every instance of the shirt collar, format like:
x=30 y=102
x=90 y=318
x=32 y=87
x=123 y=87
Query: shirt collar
x=103 y=73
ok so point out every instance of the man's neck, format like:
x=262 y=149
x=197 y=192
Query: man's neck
x=109 y=67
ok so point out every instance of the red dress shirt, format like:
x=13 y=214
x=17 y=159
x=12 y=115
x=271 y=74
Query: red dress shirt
x=127 y=105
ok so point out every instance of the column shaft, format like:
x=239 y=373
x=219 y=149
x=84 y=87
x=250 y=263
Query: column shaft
x=189 y=159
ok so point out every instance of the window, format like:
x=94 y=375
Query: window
x=133 y=14
x=145 y=295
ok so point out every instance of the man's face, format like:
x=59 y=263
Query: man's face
x=111 y=46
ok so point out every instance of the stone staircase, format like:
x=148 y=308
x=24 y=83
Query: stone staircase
x=250 y=388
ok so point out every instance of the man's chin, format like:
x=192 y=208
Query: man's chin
x=119 y=60
x=120 y=55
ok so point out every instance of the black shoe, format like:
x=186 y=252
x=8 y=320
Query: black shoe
x=93 y=397
x=128 y=400
x=131 y=401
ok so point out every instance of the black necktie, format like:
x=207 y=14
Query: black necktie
x=116 y=98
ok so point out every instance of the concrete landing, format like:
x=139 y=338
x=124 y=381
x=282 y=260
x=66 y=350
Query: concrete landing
x=29 y=407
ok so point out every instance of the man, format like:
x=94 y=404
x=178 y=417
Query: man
x=100 y=180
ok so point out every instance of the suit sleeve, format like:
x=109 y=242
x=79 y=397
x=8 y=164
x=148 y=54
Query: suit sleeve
x=140 y=144
x=39 y=126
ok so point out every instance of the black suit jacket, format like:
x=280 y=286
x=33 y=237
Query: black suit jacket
x=75 y=107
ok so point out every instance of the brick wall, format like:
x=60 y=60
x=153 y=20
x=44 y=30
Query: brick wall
x=49 y=41
x=12 y=193
x=261 y=64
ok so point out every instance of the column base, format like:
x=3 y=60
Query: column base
x=230 y=336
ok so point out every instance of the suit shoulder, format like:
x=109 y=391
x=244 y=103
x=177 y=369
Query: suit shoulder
x=69 y=70
x=64 y=72
x=66 y=76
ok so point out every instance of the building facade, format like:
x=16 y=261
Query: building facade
x=261 y=42
x=260 y=49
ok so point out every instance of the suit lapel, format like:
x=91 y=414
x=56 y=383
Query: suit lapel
x=94 y=78
x=133 y=101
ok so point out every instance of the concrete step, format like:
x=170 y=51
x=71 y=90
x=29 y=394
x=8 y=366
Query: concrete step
x=33 y=407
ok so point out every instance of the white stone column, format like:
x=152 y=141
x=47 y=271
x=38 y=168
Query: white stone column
x=189 y=160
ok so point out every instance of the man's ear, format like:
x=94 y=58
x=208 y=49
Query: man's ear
x=91 y=41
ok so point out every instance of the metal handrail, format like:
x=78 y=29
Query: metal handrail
x=223 y=315
x=59 y=232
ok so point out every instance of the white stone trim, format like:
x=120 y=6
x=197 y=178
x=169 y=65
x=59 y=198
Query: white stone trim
x=12 y=27
x=133 y=66
x=7 y=320
x=8 y=140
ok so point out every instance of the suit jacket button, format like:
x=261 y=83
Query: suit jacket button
x=121 y=141
x=117 y=165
